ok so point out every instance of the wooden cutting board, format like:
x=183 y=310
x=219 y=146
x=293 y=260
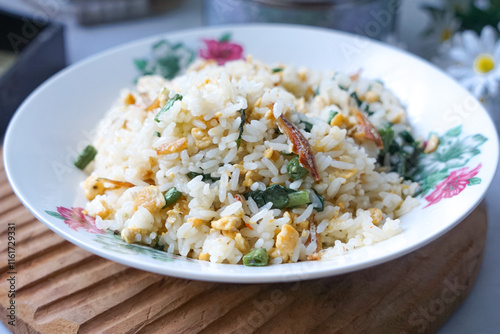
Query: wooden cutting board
x=61 y=288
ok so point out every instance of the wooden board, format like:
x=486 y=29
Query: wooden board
x=61 y=288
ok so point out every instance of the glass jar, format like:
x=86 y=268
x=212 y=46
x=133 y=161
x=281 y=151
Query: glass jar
x=371 y=18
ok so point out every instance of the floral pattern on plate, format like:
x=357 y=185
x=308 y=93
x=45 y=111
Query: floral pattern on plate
x=438 y=170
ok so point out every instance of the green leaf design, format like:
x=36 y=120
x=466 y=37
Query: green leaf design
x=455 y=132
x=115 y=243
x=54 y=214
x=431 y=181
x=225 y=38
x=451 y=153
x=140 y=64
x=168 y=60
x=474 y=181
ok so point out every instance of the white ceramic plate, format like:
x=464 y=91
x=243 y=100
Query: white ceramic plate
x=56 y=122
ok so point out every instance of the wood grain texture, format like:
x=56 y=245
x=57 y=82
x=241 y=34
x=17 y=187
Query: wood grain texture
x=64 y=289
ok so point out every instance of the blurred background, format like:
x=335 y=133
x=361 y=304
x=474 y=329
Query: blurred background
x=40 y=37
x=62 y=32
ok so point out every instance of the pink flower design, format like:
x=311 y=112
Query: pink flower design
x=452 y=185
x=75 y=219
x=221 y=51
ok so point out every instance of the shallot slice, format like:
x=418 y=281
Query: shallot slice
x=300 y=146
x=364 y=125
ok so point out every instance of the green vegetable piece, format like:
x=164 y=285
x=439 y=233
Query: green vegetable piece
x=257 y=257
x=354 y=95
x=277 y=69
x=157 y=134
x=407 y=137
x=167 y=106
x=171 y=196
x=288 y=154
x=298 y=198
x=88 y=154
x=321 y=200
x=157 y=244
x=331 y=115
x=242 y=124
x=280 y=196
x=308 y=126
x=206 y=177
x=296 y=170
x=316 y=91
x=276 y=194
x=387 y=135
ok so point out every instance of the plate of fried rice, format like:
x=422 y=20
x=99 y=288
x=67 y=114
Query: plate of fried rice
x=259 y=153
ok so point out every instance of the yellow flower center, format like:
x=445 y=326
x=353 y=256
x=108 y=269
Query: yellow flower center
x=445 y=35
x=484 y=63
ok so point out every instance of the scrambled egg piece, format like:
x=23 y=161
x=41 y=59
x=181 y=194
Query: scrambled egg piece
x=226 y=223
x=195 y=221
x=175 y=147
x=286 y=241
x=201 y=138
x=129 y=99
x=371 y=97
x=376 y=215
x=340 y=120
x=151 y=198
x=128 y=234
x=250 y=178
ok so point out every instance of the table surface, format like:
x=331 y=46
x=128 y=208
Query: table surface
x=479 y=313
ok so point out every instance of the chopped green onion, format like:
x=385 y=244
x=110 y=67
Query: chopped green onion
x=242 y=124
x=288 y=154
x=171 y=196
x=157 y=134
x=331 y=115
x=157 y=244
x=317 y=200
x=316 y=91
x=307 y=126
x=257 y=257
x=296 y=170
x=205 y=177
x=298 y=198
x=407 y=137
x=387 y=135
x=277 y=69
x=354 y=95
x=88 y=154
x=401 y=156
x=167 y=106
x=280 y=196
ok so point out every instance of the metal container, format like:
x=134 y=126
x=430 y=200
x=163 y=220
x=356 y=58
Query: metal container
x=371 y=18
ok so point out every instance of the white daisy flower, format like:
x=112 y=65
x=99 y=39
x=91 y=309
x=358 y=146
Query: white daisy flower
x=437 y=36
x=476 y=61
x=444 y=26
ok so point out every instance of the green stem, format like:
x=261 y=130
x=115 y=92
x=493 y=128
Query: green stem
x=298 y=198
